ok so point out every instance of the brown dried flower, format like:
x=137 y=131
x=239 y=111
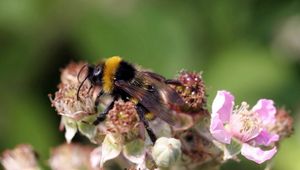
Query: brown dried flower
x=22 y=157
x=283 y=125
x=192 y=91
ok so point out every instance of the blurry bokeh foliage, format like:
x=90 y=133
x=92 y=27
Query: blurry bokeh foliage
x=248 y=47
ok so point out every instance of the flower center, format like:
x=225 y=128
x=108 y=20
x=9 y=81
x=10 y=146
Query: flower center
x=244 y=123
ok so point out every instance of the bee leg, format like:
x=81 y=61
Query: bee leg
x=174 y=82
x=141 y=112
x=101 y=117
x=98 y=100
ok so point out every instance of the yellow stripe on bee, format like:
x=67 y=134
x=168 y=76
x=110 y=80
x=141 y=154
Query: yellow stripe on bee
x=149 y=116
x=110 y=67
x=134 y=100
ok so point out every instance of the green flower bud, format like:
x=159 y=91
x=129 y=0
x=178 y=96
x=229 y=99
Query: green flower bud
x=166 y=151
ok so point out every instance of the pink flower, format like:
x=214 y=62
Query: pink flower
x=247 y=126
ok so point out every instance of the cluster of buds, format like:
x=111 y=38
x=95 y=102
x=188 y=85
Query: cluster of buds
x=202 y=139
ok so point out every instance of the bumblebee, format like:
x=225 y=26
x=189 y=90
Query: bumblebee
x=149 y=91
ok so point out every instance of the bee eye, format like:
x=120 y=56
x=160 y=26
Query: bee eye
x=97 y=71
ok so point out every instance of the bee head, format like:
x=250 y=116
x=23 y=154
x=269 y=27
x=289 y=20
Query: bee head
x=94 y=75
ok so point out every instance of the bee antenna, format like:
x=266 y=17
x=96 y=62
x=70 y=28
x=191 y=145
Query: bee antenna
x=78 y=75
x=80 y=87
x=90 y=89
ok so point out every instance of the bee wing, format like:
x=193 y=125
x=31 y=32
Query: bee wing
x=152 y=75
x=149 y=99
x=168 y=94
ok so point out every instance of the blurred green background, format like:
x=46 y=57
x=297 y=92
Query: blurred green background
x=250 y=47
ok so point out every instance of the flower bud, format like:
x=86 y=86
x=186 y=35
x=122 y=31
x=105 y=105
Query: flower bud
x=166 y=151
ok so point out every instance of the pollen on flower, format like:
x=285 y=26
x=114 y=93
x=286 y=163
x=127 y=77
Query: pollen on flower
x=246 y=123
x=65 y=99
x=250 y=128
x=122 y=118
x=66 y=103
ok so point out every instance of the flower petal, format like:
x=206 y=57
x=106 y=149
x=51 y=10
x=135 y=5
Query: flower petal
x=95 y=157
x=256 y=154
x=266 y=138
x=111 y=148
x=87 y=129
x=135 y=151
x=218 y=130
x=223 y=105
x=266 y=110
x=230 y=151
x=71 y=128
